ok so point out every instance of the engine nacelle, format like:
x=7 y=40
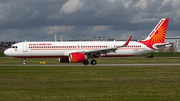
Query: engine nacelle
x=77 y=57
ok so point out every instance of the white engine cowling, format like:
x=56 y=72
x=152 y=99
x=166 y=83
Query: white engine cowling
x=77 y=57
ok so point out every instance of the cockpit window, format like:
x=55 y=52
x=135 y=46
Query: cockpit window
x=13 y=47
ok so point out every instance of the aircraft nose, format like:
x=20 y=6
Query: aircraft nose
x=7 y=52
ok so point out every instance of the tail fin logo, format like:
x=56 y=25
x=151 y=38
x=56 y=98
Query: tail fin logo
x=155 y=30
x=157 y=35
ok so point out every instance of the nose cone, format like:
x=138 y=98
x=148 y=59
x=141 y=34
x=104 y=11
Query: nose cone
x=7 y=52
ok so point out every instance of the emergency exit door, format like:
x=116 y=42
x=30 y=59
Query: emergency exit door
x=80 y=47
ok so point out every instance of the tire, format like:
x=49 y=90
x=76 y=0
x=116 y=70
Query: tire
x=93 y=62
x=86 y=62
x=24 y=63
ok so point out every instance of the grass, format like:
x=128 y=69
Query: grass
x=2 y=54
x=128 y=83
x=162 y=54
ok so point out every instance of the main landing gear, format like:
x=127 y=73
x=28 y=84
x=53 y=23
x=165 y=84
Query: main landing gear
x=24 y=61
x=93 y=62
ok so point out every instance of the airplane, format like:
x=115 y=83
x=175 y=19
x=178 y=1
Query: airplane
x=81 y=51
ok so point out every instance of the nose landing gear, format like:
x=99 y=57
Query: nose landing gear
x=24 y=61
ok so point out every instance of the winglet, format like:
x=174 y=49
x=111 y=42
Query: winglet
x=127 y=42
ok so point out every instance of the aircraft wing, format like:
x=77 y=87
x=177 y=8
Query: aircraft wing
x=104 y=50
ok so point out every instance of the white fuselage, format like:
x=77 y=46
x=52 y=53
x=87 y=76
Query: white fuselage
x=62 y=49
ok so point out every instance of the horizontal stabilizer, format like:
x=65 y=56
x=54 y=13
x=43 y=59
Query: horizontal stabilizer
x=164 y=45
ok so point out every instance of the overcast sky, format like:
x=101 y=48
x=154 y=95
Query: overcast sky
x=35 y=20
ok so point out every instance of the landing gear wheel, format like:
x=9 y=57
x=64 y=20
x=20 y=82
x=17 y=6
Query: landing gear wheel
x=86 y=62
x=93 y=62
x=24 y=63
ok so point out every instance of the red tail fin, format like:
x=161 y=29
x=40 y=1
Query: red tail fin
x=157 y=35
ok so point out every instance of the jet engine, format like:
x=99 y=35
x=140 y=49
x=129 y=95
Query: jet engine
x=77 y=57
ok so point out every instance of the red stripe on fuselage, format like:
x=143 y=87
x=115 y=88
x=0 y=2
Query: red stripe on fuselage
x=85 y=49
x=39 y=56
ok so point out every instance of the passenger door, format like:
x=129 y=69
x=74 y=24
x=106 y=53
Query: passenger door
x=25 y=47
